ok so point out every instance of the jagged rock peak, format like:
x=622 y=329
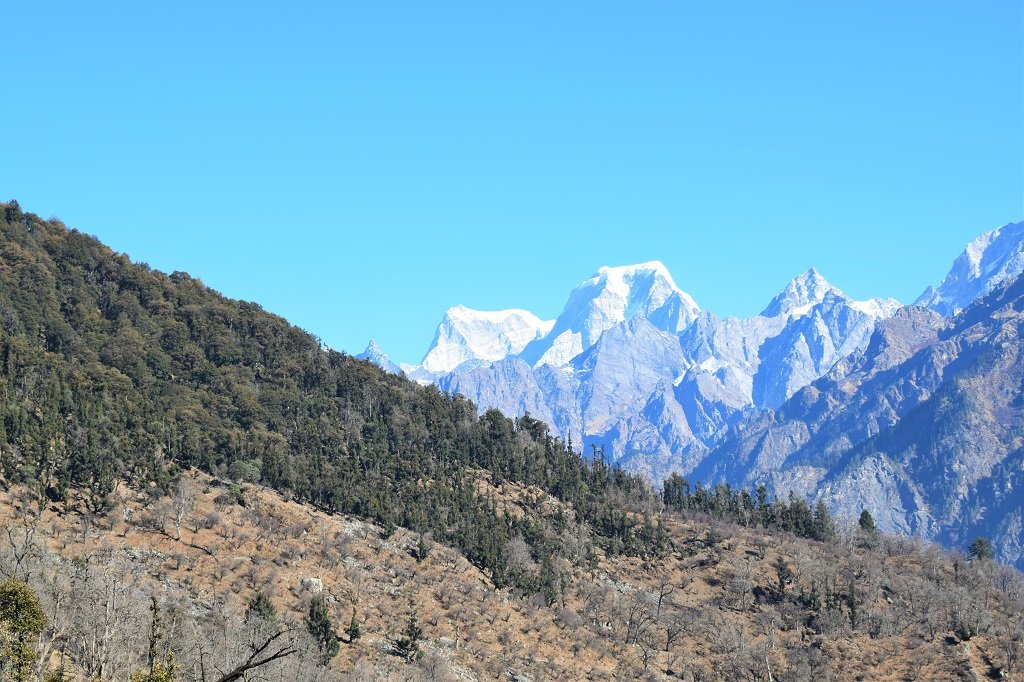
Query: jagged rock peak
x=987 y=261
x=611 y=296
x=801 y=294
x=377 y=356
x=809 y=289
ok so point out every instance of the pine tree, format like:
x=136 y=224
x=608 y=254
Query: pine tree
x=422 y=547
x=261 y=608
x=353 y=630
x=784 y=575
x=867 y=522
x=981 y=550
x=320 y=626
x=409 y=643
x=822 y=527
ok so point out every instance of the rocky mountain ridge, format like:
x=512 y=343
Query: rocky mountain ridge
x=925 y=426
x=910 y=411
x=634 y=365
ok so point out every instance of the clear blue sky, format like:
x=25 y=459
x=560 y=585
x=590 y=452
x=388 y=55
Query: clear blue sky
x=360 y=167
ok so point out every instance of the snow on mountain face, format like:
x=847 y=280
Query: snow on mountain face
x=922 y=425
x=374 y=354
x=986 y=262
x=810 y=345
x=802 y=332
x=621 y=370
x=799 y=296
x=632 y=363
x=810 y=289
x=466 y=334
x=611 y=296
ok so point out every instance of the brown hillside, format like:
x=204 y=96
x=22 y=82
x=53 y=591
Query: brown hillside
x=711 y=609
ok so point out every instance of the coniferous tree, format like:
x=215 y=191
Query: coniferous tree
x=422 y=547
x=354 y=631
x=981 y=550
x=408 y=644
x=320 y=626
x=822 y=527
x=261 y=608
x=866 y=522
x=784 y=575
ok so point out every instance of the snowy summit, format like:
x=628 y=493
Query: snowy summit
x=611 y=296
x=466 y=335
x=986 y=262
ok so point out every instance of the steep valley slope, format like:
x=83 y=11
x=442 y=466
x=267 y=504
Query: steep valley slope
x=714 y=605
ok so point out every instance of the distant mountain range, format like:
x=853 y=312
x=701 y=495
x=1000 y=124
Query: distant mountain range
x=633 y=362
x=811 y=395
x=924 y=427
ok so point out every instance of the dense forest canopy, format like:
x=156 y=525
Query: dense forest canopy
x=114 y=371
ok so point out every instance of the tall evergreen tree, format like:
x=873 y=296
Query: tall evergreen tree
x=783 y=574
x=261 y=608
x=320 y=626
x=408 y=645
x=866 y=522
x=981 y=550
x=354 y=631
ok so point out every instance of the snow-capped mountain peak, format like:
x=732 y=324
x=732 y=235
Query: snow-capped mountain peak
x=373 y=350
x=877 y=307
x=801 y=294
x=377 y=356
x=633 y=363
x=986 y=262
x=611 y=296
x=466 y=334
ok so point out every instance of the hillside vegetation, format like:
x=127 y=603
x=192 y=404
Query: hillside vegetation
x=191 y=488
x=722 y=603
x=114 y=372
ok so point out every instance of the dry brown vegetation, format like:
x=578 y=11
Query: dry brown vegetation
x=860 y=608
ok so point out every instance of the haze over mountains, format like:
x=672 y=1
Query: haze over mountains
x=811 y=395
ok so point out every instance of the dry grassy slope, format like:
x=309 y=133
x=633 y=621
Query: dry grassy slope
x=721 y=598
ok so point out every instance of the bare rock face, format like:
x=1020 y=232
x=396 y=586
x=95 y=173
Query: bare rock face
x=923 y=428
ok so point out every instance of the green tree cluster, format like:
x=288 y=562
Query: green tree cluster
x=111 y=371
x=750 y=510
x=21 y=620
x=408 y=644
x=321 y=627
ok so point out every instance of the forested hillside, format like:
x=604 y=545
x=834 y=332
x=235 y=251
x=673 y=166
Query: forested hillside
x=113 y=371
x=454 y=546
